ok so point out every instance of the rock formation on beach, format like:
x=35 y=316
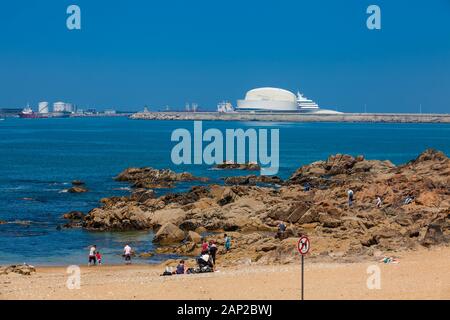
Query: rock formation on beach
x=24 y=269
x=415 y=210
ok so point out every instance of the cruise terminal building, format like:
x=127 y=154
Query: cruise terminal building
x=278 y=100
x=268 y=99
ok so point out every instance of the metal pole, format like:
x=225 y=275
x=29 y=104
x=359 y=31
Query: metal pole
x=303 y=277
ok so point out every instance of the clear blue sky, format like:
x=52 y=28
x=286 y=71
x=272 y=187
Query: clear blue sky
x=132 y=53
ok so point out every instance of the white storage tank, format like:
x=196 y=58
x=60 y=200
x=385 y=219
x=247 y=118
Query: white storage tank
x=43 y=107
x=59 y=107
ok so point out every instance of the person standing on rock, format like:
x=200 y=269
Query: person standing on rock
x=379 y=202
x=92 y=258
x=227 y=242
x=127 y=254
x=281 y=230
x=350 y=197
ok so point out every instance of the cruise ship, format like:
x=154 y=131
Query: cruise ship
x=306 y=105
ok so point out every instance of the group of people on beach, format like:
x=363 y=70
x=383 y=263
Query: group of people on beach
x=207 y=256
x=95 y=257
x=207 y=260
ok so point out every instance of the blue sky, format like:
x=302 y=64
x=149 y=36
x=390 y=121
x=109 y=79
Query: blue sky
x=168 y=52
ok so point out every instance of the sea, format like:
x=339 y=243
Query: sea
x=39 y=158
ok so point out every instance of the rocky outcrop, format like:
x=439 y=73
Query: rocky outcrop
x=253 y=180
x=122 y=216
x=75 y=220
x=24 y=269
x=251 y=213
x=250 y=166
x=74 y=215
x=77 y=189
x=153 y=178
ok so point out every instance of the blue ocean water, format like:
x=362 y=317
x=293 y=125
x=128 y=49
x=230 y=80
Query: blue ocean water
x=40 y=157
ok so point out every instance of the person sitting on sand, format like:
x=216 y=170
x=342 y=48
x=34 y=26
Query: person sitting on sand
x=213 y=251
x=205 y=247
x=227 y=242
x=127 y=254
x=181 y=268
x=92 y=258
x=98 y=256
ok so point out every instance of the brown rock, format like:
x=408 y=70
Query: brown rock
x=77 y=189
x=194 y=237
x=74 y=215
x=24 y=269
x=169 y=234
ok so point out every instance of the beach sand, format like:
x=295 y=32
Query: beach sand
x=423 y=274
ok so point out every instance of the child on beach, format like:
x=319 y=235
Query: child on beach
x=98 y=255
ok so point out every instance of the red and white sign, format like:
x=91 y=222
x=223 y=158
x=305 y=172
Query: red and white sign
x=303 y=245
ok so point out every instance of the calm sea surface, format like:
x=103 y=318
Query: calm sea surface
x=40 y=157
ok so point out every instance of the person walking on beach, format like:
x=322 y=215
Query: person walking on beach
x=92 y=258
x=127 y=254
x=350 y=197
x=227 y=243
x=213 y=251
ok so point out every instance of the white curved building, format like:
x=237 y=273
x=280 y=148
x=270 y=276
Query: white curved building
x=268 y=99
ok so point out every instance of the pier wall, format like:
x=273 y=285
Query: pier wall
x=295 y=117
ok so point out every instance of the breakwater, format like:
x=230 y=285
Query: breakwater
x=296 y=117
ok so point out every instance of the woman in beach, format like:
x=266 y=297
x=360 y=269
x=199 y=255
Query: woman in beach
x=213 y=251
x=205 y=247
x=181 y=268
x=92 y=258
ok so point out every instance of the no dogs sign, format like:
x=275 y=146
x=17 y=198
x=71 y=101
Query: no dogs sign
x=303 y=245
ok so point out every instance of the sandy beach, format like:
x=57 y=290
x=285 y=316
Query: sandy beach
x=422 y=274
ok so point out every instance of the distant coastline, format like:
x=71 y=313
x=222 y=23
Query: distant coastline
x=296 y=117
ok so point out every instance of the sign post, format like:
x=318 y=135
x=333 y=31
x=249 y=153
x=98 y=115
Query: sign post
x=303 y=248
